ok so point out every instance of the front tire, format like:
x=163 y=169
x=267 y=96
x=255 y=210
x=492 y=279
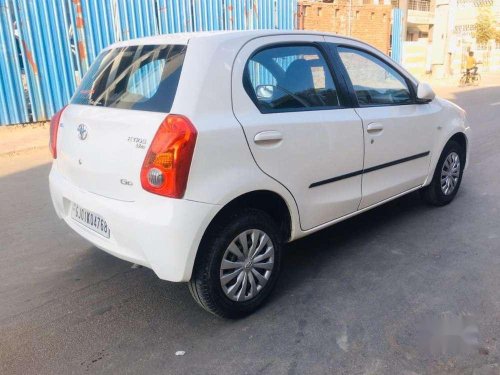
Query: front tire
x=238 y=264
x=477 y=79
x=447 y=176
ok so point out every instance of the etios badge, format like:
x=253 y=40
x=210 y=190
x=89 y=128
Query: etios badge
x=82 y=132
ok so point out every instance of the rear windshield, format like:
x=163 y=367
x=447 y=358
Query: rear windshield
x=141 y=78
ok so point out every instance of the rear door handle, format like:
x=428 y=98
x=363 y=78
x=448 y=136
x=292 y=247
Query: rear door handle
x=269 y=136
x=374 y=127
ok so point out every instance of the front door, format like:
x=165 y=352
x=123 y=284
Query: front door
x=398 y=131
x=298 y=126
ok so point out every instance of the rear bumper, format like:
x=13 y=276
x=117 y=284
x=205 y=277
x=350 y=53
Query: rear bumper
x=157 y=232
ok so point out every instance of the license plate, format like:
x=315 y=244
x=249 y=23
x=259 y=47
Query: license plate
x=90 y=219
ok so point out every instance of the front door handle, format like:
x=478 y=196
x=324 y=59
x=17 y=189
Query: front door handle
x=269 y=136
x=374 y=128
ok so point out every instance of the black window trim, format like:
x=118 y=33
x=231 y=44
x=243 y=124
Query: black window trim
x=343 y=72
x=345 y=100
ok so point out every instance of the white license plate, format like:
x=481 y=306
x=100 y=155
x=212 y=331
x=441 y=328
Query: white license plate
x=90 y=219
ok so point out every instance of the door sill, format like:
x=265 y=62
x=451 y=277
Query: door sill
x=345 y=217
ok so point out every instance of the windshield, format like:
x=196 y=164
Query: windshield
x=143 y=78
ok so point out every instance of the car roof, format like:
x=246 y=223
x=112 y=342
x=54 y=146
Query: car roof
x=218 y=36
x=221 y=37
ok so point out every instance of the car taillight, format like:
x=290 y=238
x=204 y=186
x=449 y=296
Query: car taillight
x=54 y=128
x=166 y=167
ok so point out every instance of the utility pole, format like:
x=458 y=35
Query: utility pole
x=349 y=19
x=403 y=5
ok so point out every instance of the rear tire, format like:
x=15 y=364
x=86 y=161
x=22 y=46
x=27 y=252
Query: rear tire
x=238 y=264
x=447 y=176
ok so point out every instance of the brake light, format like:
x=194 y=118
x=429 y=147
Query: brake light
x=54 y=128
x=166 y=167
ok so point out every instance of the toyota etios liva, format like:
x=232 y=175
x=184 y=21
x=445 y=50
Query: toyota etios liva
x=199 y=155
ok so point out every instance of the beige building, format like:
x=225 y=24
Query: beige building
x=420 y=19
x=451 y=35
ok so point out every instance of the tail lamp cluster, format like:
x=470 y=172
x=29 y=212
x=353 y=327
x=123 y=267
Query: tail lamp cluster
x=54 y=127
x=166 y=167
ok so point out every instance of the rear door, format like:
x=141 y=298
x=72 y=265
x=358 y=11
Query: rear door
x=106 y=130
x=398 y=131
x=298 y=124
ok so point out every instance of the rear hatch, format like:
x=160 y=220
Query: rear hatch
x=106 y=130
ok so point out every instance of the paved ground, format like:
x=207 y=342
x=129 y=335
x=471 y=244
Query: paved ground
x=17 y=139
x=355 y=298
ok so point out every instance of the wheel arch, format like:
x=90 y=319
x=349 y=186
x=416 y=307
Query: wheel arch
x=266 y=200
x=461 y=138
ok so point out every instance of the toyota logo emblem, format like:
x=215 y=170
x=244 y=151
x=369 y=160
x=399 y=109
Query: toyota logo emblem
x=82 y=132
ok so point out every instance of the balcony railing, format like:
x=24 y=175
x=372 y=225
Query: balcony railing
x=420 y=5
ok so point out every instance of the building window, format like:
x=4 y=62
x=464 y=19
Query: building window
x=420 y=5
x=357 y=14
x=372 y=16
x=336 y=13
x=385 y=17
x=318 y=11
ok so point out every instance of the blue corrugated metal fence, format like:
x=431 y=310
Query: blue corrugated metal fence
x=47 y=45
x=13 y=107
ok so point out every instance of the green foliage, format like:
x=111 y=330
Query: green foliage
x=485 y=29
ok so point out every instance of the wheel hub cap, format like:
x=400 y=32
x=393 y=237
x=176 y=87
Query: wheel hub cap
x=450 y=173
x=247 y=265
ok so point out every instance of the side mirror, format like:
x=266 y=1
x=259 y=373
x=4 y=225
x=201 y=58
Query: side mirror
x=425 y=92
x=264 y=91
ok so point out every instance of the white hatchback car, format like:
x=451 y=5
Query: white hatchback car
x=199 y=155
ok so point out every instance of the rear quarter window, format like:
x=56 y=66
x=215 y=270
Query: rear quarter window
x=142 y=78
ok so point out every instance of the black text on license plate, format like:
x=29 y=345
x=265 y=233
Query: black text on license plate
x=90 y=219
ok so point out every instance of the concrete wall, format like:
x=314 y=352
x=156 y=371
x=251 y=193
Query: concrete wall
x=418 y=58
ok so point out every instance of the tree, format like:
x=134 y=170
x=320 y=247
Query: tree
x=485 y=29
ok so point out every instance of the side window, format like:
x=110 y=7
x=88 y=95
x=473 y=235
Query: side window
x=375 y=82
x=290 y=77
